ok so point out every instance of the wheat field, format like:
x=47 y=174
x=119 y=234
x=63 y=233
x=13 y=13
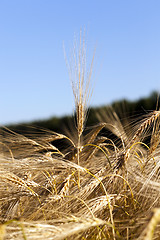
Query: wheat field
x=98 y=187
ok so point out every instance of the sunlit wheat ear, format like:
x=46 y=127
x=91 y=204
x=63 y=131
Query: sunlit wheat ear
x=98 y=203
x=16 y=181
x=155 y=139
x=65 y=189
x=124 y=156
x=154 y=116
x=80 y=79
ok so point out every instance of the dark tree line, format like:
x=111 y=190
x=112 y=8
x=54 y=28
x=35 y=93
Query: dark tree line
x=124 y=108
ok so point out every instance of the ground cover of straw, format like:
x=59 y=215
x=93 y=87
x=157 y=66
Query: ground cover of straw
x=113 y=193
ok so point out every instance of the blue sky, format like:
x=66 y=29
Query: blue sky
x=34 y=79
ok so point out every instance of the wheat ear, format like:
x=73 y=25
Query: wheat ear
x=80 y=80
x=144 y=125
x=154 y=116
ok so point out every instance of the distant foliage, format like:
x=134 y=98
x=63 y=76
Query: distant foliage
x=124 y=108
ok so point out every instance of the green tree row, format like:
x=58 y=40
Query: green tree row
x=124 y=108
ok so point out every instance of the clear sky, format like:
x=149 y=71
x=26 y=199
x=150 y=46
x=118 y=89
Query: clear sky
x=34 y=80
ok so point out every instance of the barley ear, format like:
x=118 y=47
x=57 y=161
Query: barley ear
x=80 y=79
